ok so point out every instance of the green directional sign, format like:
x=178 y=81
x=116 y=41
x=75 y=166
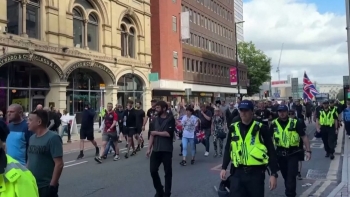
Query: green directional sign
x=153 y=77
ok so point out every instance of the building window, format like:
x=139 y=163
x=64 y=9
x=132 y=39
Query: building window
x=194 y=17
x=199 y=19
x=174 y=23
x=175 y=59
x=188 y=64
x=85 y=32
x=128 y=38
x=16 y=12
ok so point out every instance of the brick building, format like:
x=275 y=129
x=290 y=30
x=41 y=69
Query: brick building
x=203 y=61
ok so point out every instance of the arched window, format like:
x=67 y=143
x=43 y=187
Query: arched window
x=131 y=44
x=123 y=39
x=85 y=28
x=26 y=14
x=127 y=38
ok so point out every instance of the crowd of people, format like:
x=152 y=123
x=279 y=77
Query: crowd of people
x=259 y=134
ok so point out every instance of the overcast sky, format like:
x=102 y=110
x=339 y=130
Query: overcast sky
x=314 y=37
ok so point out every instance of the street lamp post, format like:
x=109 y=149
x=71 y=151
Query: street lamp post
x=237 y=71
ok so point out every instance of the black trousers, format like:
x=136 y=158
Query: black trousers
x=289 y=170
x=156 y=159
x=45 y=192
x=329 y=139
x=243 y=180
x=347 y=128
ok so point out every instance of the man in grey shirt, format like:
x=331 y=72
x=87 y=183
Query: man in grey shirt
x=161 y=146
x=45 y=154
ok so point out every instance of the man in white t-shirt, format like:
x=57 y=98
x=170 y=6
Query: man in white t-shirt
x=65 y=118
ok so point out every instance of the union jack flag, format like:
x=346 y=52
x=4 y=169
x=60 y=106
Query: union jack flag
x=309 y=91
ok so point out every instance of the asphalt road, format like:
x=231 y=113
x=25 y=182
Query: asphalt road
x=131 y=177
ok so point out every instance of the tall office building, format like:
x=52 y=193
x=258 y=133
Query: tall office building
x=201 y=62
x=238 y=7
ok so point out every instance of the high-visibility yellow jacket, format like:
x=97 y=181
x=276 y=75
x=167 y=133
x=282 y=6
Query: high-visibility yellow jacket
x=17 y=181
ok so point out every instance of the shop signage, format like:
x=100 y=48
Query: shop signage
x=90 y=64
x=206 y=94
x=30 y=57
x=233 y=76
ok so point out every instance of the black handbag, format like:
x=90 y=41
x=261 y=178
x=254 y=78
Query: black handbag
x=221 y=134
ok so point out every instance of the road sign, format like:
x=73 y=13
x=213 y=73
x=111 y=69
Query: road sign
x=188 y=91
x=153 y=77
x=276 y=95
x=102 y=86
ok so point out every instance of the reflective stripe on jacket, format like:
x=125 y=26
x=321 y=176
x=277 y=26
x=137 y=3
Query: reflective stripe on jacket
x=17 y=181
x=287 y=137
x=249 y=151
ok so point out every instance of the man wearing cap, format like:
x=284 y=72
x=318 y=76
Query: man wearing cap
x=287 y=133
x=327 y=124
x=250 y=149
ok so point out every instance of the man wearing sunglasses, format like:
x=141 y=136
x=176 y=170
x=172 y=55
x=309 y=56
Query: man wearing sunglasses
x=287 y=133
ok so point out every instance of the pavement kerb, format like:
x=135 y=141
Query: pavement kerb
x=345 y=167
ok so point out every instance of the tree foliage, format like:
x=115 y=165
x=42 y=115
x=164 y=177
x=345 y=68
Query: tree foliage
x=259 y=65
x=340 y=95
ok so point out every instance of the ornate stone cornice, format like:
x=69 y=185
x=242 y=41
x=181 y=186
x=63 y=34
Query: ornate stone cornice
x=12 y=41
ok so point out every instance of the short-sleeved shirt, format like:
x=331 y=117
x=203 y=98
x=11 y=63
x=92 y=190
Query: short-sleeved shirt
x=131 y=119
x=109 y=119
x=151 y=114
x=205 y=124
x=41 y=154
x=140 y=115
x=18 y=140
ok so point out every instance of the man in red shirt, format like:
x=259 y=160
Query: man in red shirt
x=109 y=133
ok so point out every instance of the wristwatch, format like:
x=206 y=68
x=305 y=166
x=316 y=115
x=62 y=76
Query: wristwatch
x=309 y=151
x=274 y=174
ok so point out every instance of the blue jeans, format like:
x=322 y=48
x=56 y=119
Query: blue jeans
x=185 y=142
x=206 y=141
x=108 y=146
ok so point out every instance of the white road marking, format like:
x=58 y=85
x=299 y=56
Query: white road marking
x=333 y=167
x=74 y=164
x=69 y=161
x=217 y=168
x=322 y=188
x=307 y=192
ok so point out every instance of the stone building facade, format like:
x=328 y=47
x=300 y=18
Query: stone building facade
x=64 y=53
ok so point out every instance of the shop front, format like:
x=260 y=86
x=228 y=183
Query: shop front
x=25 y=79
x=177 y=96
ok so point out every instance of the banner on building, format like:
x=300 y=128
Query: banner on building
x=185 y=25
x=233 y=76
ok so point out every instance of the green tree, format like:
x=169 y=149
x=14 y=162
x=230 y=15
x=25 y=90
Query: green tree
x=259 y=65
x=340 y=95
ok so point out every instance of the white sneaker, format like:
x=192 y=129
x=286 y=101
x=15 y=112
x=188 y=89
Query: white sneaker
x=206 y=154
x=116 y=158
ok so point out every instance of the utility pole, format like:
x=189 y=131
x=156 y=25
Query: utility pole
x=279 y=62
x=237 y=71
x=347 y=8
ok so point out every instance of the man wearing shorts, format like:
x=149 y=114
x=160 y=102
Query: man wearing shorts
x=87 y=129
x=109 y=133
x=140 y=118
x=130 y=127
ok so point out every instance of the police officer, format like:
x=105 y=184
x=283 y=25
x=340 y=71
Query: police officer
x=16 y=179
x=327 y=124
x=250 y=149
x=287 y=133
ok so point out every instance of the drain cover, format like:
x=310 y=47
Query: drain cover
x=316 y=174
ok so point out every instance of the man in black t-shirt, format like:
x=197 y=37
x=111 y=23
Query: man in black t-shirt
x=262 y=114
x=130 y=119
x=151 y=114
x=140 y=116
